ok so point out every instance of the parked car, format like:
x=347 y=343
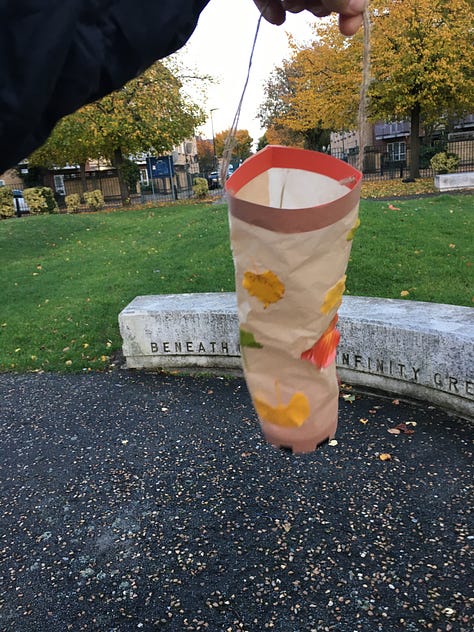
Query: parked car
x=21 y=206
x=213 y=180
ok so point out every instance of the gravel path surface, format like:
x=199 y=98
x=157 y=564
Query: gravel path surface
x=150 y=502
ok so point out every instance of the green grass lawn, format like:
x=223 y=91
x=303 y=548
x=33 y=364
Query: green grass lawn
x=65 y=278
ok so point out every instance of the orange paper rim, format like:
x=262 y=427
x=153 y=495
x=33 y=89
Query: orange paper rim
x=294 y=220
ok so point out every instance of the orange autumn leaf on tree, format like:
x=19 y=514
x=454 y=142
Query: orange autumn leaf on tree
x=291 y=415
x=323 y=352
x=267 y=287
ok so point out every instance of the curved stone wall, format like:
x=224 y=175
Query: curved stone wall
x=422 y=351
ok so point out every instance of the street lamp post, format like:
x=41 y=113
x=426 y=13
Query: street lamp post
x=213 y=139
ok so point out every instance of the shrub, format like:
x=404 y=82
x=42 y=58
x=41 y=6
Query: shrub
x=94 y=199
x=444 y=162
x=35 y=200
x=51 y=203
x=40 y=200
x=200 y=187
x=130 y=172
x=73 y=202
x=7 y=208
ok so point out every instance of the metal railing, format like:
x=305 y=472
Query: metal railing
x=379 y=164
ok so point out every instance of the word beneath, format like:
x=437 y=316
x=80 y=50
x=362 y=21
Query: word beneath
x=185 y=347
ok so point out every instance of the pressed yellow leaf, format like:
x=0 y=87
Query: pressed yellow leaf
x=353 y=230
x=333 y=298
x=267 y=287
x=291 y=415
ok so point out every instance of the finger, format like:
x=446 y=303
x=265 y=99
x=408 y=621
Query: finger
x=271 y=10
x=315 y=7
x=345 y=7
x=350 y=24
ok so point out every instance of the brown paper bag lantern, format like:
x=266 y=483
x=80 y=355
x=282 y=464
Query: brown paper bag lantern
x=293 y=214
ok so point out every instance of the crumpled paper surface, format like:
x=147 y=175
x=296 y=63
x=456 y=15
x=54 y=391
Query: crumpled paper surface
x=291 y=235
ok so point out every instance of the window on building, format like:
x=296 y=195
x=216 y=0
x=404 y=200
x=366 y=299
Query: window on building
x=144 y=176
x=397 y=151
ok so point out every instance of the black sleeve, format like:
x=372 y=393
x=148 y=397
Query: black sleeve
x=57 y=55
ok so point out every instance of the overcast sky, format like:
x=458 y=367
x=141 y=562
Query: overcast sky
x=221 y=47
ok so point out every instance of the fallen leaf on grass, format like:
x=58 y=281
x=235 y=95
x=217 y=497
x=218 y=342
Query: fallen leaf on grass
x=404 y=293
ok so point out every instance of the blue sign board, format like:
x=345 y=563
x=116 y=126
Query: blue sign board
x=161 y=167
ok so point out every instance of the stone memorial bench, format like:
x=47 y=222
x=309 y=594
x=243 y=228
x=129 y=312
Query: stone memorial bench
x=454 y=181
x=421 y=351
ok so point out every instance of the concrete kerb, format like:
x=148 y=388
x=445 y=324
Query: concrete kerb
x=463 y=181
x=418 y=351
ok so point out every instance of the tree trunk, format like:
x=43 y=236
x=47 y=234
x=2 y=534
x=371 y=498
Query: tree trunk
x=124 y=190
x=364 y=124
x=415 y=142
x=82 y=168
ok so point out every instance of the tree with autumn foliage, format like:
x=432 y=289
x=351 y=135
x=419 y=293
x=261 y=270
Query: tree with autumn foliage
x=71 y=142
x=300 y=96
x=420 y=71
x=205 y=152
x=242 y=146
x=422 y=67
x=149 y=114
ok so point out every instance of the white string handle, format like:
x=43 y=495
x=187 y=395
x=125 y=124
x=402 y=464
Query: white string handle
x=230 y=141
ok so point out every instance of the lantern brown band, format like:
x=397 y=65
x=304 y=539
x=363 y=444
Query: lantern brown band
x=295 y=220
x=300 y=220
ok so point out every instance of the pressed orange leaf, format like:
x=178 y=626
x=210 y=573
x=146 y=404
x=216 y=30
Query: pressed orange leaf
x=323 y=352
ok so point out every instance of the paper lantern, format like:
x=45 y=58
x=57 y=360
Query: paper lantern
x=293 y=214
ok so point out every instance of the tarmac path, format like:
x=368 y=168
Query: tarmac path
x=139 y=501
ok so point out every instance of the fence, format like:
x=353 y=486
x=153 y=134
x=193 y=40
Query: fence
x=157 y=190
x=379 y=164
